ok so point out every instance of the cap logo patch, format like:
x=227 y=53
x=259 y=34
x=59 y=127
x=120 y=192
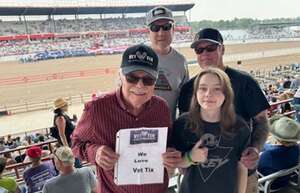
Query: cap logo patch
x=141 y=56
x=158 y=12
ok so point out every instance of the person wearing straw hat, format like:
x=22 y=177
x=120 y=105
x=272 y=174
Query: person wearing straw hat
x=62 y=122
x=283 y=151
x=63 y=125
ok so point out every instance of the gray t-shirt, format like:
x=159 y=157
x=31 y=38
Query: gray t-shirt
x=171 y=76
x=82 y=180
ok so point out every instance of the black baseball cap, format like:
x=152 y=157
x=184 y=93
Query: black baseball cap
x=140 y=57
x=207 y=34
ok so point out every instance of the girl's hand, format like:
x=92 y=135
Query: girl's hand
x=199 y=152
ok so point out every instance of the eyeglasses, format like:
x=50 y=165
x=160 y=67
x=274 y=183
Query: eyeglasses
x=165 y=27
x=147 y=80
x=209 y=48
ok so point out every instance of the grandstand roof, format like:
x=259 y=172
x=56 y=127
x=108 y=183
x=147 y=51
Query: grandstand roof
x=23 y=9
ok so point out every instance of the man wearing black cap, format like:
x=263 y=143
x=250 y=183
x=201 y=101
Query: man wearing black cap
x=250 y=102
x=133 y=105
x=172 y=71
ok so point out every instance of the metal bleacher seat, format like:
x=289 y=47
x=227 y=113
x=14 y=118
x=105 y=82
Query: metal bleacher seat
x=265 y=182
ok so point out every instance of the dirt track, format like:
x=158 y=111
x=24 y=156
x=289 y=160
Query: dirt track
x=58 y=88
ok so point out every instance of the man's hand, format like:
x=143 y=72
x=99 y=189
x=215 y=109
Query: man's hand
x=171 y=160
x=106 y=158
x=250 y=157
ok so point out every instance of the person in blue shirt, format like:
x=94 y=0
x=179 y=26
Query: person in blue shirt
x=283 y=151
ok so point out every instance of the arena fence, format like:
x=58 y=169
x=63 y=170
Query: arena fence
x=56 y=76
x=41 y=105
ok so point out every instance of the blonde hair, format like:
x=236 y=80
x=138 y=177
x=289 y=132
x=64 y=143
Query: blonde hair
x=228 y=115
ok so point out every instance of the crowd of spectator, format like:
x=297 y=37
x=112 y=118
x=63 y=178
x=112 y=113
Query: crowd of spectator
x=41 y=169
x=279 y=84
x=260 y=34
x=78 y=25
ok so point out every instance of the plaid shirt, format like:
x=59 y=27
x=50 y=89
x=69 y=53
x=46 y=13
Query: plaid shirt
x=101 y=120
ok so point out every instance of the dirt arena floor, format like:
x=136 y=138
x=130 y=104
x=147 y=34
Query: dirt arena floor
x=40 y=91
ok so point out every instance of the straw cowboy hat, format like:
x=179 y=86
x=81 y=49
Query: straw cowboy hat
x=285 y=129
x=59 y=103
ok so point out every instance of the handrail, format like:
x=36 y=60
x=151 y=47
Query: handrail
x=266 y=181
x=281 y=102
x=16 y=166
x=26 y=147
x=273 y=110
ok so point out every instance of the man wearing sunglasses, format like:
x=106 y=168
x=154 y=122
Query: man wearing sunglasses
x=172 y=73
x=250 y=102
x=132 y=105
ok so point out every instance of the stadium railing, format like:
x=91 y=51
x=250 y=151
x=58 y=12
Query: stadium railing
x=273 y=110
x=18 y=168
x=265 y=182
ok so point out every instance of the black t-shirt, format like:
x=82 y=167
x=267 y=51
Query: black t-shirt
x=219 y=173
x=249 y=99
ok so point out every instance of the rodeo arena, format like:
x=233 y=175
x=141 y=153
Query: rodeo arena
x=58 y=53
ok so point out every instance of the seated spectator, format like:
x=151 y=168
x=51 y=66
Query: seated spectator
x=287 y=83
x=2 y=145
x=9 y=141
x=10 y=158
x=18 y=141
x=283 y=151
x=70 y=180
x=285 y=107
x=7 y=183
x=295 y=84
x=36 y=176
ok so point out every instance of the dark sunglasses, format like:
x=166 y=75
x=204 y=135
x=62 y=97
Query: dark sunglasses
x=209 y=48
x=165 y=27
x=147 y=80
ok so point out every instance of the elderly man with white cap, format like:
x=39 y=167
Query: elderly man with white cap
x=70 y=179
x=132 y=105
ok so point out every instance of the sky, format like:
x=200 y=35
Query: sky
x=213 y=9
x=259 y=9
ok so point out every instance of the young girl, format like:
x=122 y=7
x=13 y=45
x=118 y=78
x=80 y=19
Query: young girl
x=212 y=138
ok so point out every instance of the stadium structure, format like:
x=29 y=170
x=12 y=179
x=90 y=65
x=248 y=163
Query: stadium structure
x=66 y=7
x=99 y=34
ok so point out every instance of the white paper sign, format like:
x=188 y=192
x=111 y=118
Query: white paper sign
x=140 y=151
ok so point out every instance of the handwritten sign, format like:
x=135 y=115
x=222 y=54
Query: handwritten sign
x=140 y=151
